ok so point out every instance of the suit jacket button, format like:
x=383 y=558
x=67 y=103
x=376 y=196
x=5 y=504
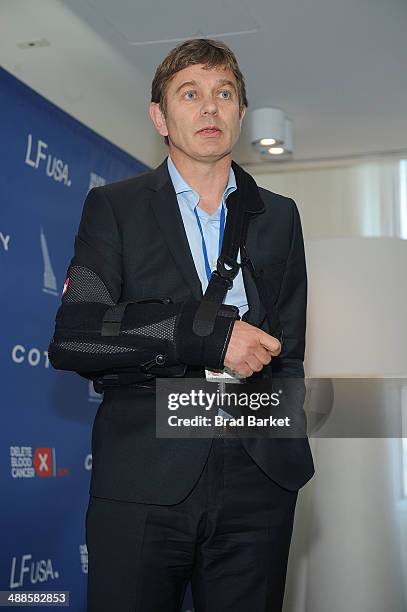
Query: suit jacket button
x=160 y=359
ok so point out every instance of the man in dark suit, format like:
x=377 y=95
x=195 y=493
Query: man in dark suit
x=162 y=511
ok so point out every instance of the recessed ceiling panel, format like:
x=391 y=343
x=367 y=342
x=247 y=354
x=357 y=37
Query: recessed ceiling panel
x=145 y=22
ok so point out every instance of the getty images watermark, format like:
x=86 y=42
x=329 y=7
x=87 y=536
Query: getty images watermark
x=198 y=408
x=283 y=407
x=223 y=400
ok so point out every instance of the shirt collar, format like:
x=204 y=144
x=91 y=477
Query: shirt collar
x=192 y=197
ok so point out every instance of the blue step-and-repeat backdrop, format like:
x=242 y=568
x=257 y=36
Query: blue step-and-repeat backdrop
x=49 y=161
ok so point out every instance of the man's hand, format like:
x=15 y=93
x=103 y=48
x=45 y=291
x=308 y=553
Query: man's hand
x=249 y=349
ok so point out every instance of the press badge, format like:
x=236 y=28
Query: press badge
x=224 y=375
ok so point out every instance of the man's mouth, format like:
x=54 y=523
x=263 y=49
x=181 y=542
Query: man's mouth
x=210 y=131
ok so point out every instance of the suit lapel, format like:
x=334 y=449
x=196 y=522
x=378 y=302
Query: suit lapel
x=165 y=207
x=256 y=313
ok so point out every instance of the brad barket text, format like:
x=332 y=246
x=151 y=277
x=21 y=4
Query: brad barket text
x=249 y=420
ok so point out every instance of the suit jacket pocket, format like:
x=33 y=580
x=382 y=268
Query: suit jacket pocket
x=137 y=408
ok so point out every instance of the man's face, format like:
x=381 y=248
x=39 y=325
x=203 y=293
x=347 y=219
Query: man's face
x=199 y=98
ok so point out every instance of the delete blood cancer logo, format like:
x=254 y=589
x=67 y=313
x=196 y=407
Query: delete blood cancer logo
x=43 y=462
x=29 y=462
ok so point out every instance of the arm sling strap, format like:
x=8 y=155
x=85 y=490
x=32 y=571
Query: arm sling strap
x=241 y=204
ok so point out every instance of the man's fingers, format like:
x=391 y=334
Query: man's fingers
x=263 y=355
x=276 y=350
x=270 y=343
x=250 y=349
x=246 y=371
x=255 y=364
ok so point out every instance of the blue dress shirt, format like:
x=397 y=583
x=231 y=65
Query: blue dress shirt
x=188 y=200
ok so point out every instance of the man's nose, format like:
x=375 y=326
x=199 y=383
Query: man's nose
x=209 y=106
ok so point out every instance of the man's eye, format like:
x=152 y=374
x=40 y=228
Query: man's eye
x=228 y=94
x=188 y=94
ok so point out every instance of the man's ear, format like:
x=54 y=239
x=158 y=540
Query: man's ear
x=244 y=109
x=158 y=118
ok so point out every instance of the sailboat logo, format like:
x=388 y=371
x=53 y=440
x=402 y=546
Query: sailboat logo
x=49 y=279
x=95 y=180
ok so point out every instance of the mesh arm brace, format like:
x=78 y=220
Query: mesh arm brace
x=147 y=331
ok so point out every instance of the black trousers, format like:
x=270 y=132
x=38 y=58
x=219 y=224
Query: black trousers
x=230 y=537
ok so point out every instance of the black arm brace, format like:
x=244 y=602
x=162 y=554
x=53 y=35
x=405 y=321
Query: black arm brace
x=150 y=337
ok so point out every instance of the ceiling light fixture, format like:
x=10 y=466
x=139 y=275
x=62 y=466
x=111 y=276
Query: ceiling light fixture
x=271 y=132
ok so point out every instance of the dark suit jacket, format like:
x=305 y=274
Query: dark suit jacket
x=134 y=234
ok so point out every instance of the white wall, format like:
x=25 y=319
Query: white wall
x=354 y=227
x=359 y=199
x=350 y=533
x=114 y=103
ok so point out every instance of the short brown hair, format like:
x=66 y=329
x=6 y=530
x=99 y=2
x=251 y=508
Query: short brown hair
x=211 y=53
